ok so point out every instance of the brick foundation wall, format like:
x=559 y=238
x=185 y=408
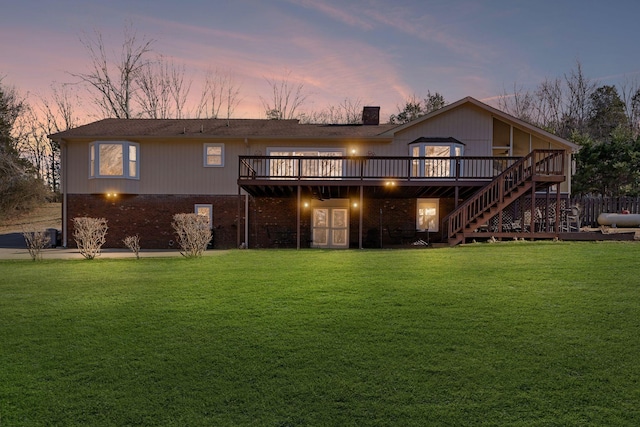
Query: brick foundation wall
x=280 y=213
x=268 y=215
x=150 y=216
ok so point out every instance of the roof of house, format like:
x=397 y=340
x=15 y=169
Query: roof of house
x=494 y=112
x=239 y=128
x=281 y=129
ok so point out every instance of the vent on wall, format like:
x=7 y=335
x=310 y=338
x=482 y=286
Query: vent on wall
x=371 y=116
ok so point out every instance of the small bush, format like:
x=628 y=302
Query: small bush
x=89 y=234
x=133 y=243
x=36 y=241
x=193 y=233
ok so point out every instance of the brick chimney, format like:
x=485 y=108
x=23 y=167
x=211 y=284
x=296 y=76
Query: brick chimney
x=371 y=116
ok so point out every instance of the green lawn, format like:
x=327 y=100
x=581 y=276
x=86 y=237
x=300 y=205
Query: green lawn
x=513 y=333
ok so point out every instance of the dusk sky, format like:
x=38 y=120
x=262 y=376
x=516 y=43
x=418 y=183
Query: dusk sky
x=378 y=52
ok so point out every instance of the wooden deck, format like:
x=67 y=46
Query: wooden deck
x=376 y=176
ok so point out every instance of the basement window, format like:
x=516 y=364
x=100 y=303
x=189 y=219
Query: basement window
x=427 y=216
x=205 y=211
x=114 y=159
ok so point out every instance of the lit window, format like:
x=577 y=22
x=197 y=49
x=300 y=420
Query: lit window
x=205 y=211
x=427 y=217
x=113 y=159
x=322 y=167
x=213 y=155
x=433 y=157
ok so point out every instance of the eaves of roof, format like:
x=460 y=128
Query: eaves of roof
x=218 y=128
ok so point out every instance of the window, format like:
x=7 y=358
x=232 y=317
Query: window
x=114 y=159
x=308 y=168
x=213 y=155
x=206 y=211
x=437 y=157
x=427 y=217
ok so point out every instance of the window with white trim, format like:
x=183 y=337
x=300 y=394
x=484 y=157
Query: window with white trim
x=309 y=168
x=435 y=158
x=427 y=216
x=205 y=211
x=114 y=159
x=213 y=155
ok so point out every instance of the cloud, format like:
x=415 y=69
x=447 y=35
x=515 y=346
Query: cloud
x=338 y=14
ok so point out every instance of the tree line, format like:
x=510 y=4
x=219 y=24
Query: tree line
x=139 y=83
x=603 y=120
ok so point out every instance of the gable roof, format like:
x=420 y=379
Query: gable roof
x=495 y=113
x=216 y=128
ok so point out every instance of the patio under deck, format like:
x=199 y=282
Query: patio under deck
x=360 y=178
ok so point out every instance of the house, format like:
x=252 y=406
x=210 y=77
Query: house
x=464 y=171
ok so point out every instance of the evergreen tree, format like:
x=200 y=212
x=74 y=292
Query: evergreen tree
x=610 y=168
x=19 y=187
x=607 y=113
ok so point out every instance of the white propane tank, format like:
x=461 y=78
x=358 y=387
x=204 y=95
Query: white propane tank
x=619 y=220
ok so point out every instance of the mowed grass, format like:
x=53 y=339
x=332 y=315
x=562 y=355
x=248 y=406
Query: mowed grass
x=504 y=334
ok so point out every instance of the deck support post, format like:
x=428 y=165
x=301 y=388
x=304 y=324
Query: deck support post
x=532 y=226
x=298 y=217
x=238 y=241
x=361 y=214
x=558 y=211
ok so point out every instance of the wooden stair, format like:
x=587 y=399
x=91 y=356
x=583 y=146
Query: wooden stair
x=544 y=166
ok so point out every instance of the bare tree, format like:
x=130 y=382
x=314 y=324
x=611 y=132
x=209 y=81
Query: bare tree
x=162 y=89
x=56 y=113
x=519 y=103
x=578 y=98
x=113 y=80
x=220 y=95
x=630 y=94
x=349 y=111
x=286 y=98
x=549 y=105
x=31 y=142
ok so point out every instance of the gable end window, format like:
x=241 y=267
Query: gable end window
x=213 y=155
x=114 y=159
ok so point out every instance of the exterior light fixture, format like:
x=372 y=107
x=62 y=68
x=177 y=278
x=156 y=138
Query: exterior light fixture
x=305 y=204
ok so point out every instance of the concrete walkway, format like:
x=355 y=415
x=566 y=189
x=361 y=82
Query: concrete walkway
x=62 y=253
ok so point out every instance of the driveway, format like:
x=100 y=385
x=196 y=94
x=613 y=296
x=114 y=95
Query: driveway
x=12 y=241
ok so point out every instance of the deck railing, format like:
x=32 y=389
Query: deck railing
x=372 y=168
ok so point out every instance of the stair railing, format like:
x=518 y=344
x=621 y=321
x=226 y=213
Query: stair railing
x=538 y=162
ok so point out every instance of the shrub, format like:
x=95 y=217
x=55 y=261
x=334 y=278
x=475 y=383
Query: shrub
x=193 y=233
x=133 y=243
x=36 y=241
x=89 y=234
